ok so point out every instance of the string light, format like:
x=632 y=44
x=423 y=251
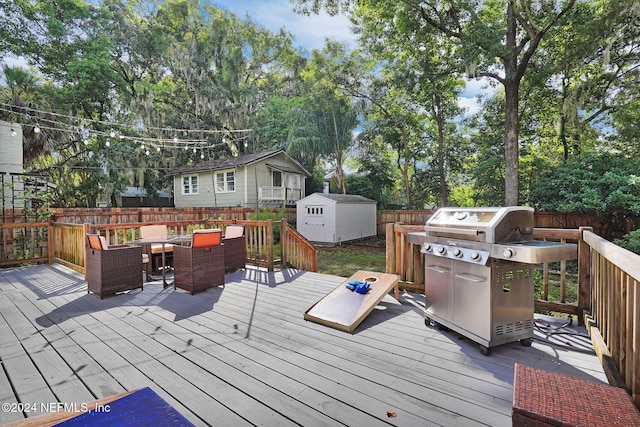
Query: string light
x=80 y=127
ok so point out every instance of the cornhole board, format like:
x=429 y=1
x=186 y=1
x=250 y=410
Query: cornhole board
x=345 y=309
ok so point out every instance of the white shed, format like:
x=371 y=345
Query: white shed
x=335 y=218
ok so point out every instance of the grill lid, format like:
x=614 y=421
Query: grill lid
x=487 y=225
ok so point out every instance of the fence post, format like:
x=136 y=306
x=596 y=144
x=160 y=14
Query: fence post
x=86 y=228
x=390 y=243
x=284 y=237
x=270 y=251
x=584 y=276
x=50 y=241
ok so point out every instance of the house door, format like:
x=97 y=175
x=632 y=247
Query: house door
x=315 y=224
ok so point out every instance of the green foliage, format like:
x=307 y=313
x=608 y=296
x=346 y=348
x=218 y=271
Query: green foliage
x=598 y=182
x=630 y=241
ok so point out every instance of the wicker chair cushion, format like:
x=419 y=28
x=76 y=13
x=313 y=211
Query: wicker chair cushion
x=157 y=230
x=233 y=231
x=156 y=248
x=206 y=238
x=94 y=241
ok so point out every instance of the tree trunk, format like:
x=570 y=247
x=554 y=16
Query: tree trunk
x=511 y=131
x=444 y=188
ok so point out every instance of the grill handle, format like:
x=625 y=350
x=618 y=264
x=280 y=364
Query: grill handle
x=464 y=231
x=438 y=269
x=470 y=277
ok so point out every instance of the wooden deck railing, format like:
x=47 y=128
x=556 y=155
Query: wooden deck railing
x=614 y=275
x=608 y=297
x=297 y=250
x=405 y=260
x=22 y=243
x=608 y=276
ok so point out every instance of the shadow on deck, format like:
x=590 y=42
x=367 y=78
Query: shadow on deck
x=242 y=354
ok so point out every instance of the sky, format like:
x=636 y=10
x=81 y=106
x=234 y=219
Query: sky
x=309 y=31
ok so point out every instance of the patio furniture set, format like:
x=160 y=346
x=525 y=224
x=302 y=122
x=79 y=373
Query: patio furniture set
x=199 y=261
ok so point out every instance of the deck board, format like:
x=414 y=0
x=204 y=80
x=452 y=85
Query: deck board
x=243 y=354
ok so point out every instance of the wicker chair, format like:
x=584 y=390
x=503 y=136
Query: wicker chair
x=112 y=269
x=154 y=250
x=235 y=248
x=200 y=266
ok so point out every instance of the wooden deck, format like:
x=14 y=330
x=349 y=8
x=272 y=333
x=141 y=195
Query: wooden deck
x=244 y=355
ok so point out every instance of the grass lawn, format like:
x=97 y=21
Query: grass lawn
x=348 y=258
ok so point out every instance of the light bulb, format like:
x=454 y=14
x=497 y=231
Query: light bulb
x=175 y=139
x=158 y=149
x=146 y=152
x=108 y=143
x=202 y=155
x=112 y=134
x=36 y=129
x=142 y=146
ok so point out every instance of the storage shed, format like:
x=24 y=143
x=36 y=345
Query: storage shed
x=336 y=218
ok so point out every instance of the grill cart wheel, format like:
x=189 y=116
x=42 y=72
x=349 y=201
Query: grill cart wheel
x=526 y=342
x=441 y=327
x=484 y=350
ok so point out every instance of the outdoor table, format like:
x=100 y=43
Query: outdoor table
x=146 y=244
x=345 y=309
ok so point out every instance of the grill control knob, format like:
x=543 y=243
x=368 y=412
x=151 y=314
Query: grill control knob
x=442 y=250
x=475 y=256
x=507 y=253
x=426 y=247
x=457 y=253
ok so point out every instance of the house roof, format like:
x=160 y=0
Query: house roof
x=341 y=198
x=232 y=162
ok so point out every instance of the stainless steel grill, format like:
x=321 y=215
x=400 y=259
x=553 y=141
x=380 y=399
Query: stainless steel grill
x=479 y=271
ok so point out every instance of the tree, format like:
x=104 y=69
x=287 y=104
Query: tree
x=600 y=183
x=494 y=39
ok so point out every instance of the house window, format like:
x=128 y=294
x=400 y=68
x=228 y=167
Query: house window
x=276 y=179
x=190 y=184
x=225 y=182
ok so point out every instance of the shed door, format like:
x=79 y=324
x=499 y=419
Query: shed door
x=315 y=223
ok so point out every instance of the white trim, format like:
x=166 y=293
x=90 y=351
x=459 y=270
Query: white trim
x=190 y=192
x=225 y=183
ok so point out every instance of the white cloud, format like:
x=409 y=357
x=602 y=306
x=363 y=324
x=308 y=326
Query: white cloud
x=310 y=32
x=469 y=104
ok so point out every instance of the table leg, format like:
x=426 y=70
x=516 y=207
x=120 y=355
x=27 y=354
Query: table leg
x=164 y=268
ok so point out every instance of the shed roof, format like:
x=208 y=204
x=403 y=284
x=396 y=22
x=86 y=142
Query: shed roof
x=341 y=198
